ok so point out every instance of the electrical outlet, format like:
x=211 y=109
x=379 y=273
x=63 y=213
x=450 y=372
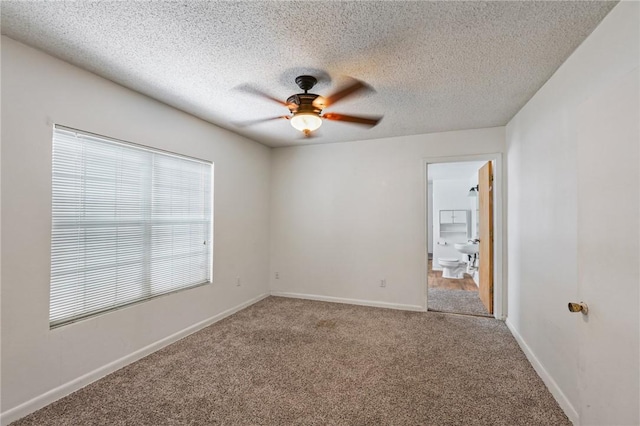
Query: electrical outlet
x=383 y=282
x=277 y=275
x=238 y=281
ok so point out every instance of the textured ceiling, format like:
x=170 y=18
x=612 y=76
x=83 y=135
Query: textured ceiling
x=436 y=66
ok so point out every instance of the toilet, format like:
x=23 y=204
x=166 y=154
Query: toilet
x=452 y=268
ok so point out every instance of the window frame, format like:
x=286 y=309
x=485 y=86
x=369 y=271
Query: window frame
x=147 y=265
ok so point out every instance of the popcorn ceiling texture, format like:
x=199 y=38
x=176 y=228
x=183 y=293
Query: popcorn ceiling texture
x=288 y=361
x=436 y=66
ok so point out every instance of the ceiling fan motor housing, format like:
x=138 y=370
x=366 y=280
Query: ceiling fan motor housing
x=303 y=102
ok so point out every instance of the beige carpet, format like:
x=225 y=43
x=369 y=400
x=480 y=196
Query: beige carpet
x=456 y=301
x=286 y=361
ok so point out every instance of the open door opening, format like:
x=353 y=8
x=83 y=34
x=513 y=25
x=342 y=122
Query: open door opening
x=460 y=222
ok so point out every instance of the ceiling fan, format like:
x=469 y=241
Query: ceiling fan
x=306 y=108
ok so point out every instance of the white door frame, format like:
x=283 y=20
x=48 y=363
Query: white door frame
x=499 y=283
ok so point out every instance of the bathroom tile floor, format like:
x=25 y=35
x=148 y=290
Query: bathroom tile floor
x=435 y=280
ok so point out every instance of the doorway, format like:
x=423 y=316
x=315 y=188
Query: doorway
x=464 y=237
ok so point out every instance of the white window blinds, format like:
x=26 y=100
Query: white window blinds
x=128 y=223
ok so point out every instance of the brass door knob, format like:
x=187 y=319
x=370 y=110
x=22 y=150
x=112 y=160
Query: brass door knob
x=579 y=307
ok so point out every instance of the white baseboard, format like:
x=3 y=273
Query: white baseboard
x=53 y=395
x=551 y=384
x=376 y=304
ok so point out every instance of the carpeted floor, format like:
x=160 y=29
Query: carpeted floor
x=456 y=301
x=287 y=361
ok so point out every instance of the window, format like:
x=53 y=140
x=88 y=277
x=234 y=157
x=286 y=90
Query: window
x=128 y=223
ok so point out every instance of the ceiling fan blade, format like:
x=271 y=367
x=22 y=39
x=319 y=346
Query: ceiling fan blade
x=255 y=91
x=258 y=121
x=355 y=87
x=367 y=121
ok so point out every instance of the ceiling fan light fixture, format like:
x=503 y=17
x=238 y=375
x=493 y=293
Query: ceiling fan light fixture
x=306 y=121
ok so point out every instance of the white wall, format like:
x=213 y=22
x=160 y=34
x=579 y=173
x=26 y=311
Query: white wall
x=547 y=229
x=38 y=90
x=448 y=195
x=344 y=216
x=474 y=206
